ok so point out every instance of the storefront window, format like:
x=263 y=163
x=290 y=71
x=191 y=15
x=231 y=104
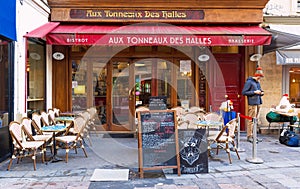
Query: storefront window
x=120 y=92
x=295 y=86
x=100 y=87
x=79 y=88
x=4 y=79
x=184 y=82
x=36 y=76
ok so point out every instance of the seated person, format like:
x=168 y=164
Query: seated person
x=284 y=104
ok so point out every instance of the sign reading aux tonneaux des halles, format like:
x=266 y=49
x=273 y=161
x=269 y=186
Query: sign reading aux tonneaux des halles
x=107 y=14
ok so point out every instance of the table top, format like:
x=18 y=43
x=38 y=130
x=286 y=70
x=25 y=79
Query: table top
x=54 y=128
x=209 y=123
x=64 y=118
x=286 y=113
x=67 y=114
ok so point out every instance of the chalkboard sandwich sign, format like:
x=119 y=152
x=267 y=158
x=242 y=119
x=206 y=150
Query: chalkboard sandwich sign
x=158 y=141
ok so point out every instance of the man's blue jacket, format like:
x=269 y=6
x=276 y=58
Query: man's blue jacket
x=250 y=86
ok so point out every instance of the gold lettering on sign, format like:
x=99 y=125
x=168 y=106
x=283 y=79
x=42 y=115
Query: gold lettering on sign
x=91 y=14
x=117 y=14
x=173 y=14
x=149 y=14
x=108 y=14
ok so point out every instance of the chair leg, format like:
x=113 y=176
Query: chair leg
x=10 y=163
x=82 y=147
x=228 y=152
x=67 y=152
x=88 y=137
x=34 y=160
x=235 y=149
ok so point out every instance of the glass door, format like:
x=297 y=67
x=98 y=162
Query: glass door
x=121 y=94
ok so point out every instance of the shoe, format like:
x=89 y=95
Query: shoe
x=250 y=139
x=259 y=140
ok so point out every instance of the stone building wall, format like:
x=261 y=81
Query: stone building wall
x=271 y=84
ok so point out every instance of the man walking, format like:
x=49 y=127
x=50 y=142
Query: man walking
x=253 y=91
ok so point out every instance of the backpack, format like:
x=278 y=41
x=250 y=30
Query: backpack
x=289 y=138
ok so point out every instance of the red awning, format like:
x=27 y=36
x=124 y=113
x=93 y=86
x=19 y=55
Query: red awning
x=43 y=30
x=162 y=34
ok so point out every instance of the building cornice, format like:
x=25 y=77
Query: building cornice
x=284 y=20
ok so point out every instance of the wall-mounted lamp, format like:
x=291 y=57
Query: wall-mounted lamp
x=58 y=56
x=203 y=57
x=255 y=57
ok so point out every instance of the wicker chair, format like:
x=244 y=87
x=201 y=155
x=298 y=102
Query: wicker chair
x=23 y=148
x=74 y=141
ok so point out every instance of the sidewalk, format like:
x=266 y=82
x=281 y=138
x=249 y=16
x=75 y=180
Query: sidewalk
x=280 y=168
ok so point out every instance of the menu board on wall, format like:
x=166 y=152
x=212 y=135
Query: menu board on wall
x=157 y=102
x=158 y=140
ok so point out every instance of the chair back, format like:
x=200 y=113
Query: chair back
x=213 y=116
x=86 y=115
x=232 y=127
x=52 y=115
x=179 y=111
x=56 y=111
x=15 y=129
x=45 y=118
x=92 y=111
x=37 y=122
x=36 y=118
x=201 y=115
x=194 y=109
x=79 y=125
x=192 y=118
x=26 y=122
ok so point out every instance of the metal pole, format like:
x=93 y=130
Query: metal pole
x=254 y=159
x=239 y=134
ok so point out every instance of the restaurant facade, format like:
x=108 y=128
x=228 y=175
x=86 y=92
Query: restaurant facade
x=117 y=55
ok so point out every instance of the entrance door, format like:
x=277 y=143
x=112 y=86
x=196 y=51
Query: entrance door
x=224 y=79
x=121 y=116
x=134 y=81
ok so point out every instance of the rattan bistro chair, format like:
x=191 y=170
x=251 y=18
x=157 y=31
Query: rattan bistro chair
x=27 y=128
x=227 y=136
x=23 y=148
x=37 y=124
x=73 y=141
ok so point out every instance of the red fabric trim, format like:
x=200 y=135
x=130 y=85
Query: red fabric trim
x=149 y=35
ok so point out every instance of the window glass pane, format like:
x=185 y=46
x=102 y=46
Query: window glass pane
x=120 y=92
x=79 y=90
x=295 y=86
x=99 y=86
x=164 y=78
x=143 y=79
x=36 y=69
x=185 y=85
x=4 y=92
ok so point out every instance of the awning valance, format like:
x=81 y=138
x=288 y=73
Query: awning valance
x=148 y=35
x=280 y=40
x=289 y=55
